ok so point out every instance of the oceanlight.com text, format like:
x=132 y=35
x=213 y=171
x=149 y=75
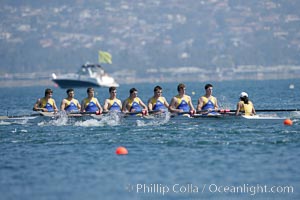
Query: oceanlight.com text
x=163 y=189
x=250 y=189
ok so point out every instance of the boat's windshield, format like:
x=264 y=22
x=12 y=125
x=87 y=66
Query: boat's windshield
x=91 y=69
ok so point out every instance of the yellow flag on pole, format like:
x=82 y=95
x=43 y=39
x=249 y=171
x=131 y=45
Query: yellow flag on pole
x=104 y=57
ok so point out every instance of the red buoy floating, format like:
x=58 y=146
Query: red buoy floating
x=121 y=151
x=288 y=122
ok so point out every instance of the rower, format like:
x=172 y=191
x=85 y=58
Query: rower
x=134 y=104
x=112 y=103
x=91 y=104
x=47 y=103
x=245 y=105
x=181 y=102
x=158 y=102
x=208 y=103
x=70 y=104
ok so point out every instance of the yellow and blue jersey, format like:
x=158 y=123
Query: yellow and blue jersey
x=158 y=104
x=90 y=105
x=114 y=105
x=209 y=104
x=48 y=104
x=71 y=106
x=134 y=104
x=183 y=103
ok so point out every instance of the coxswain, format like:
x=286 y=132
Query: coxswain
x=245 y=105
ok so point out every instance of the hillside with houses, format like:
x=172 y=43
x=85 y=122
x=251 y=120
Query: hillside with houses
x=158 y=39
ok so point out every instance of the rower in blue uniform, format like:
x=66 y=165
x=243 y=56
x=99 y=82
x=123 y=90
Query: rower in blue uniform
x=47 y=103
x=208 y=104
x=134 y=104
x=181 y=102
x=70 y=104
x=112 y=103
x=91 y=104
x=158 y=102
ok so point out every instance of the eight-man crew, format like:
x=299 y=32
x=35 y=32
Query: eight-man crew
x=207 y=104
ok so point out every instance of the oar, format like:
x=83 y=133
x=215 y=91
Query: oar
x=143 y=113
x=198 y=112
x=260 y=110
x=20 y=116
x=277 y=110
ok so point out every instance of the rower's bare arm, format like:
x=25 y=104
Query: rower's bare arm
x=105 y=106
x=216 y=105
x=99 y=106
x=191 y=104
x=143 y=105
x=55 y=107
x=36 y=106
x=62 y=105
x=238 y=108
x=150 y=106
x=200 y=104
x=120 y=103
x=124 y=106
x=166 y=103
x=78 y=105
x=172 y=106
x=253 y=109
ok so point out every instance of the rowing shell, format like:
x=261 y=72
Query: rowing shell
x=262 y=117
x=151 y=116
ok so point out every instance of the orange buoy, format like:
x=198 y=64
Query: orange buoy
x=121 y=151
x=288 y=122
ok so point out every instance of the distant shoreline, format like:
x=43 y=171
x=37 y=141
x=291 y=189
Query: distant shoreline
x=166 y=75
x=49 y=83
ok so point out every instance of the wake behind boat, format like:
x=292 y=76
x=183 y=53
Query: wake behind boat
x=90 y=75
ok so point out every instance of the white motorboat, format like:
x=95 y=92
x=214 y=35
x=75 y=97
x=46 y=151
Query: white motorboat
x=90 y=75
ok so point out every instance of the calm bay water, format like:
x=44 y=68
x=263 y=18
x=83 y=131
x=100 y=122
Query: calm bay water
x=168 y=158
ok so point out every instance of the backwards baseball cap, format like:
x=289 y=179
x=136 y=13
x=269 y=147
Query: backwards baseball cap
x=243 y=94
